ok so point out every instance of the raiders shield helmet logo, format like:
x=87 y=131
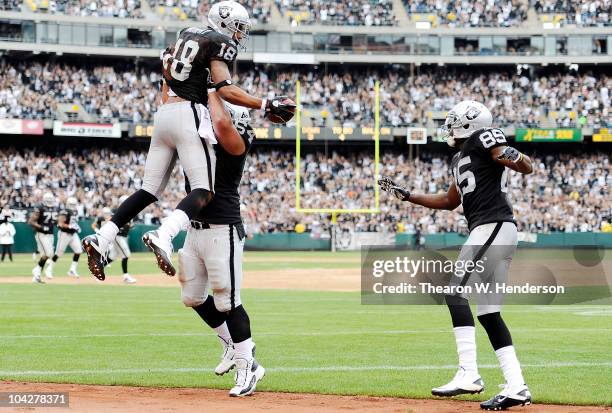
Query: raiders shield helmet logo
x=472 y=113
x=224 y=11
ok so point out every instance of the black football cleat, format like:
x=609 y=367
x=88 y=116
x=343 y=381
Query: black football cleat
x=162 y=248
x=509 y=397
x=96 y=260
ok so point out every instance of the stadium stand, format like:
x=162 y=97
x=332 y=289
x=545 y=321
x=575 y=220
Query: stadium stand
x=581 y=13
x=463 y=13
x=198 y=10
x=125 y=93
x=565 y=194
x=345 y=13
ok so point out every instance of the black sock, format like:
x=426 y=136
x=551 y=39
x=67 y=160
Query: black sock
x=124 y=265
x=75 y=257
x=41 y=262
x=460 y=311
x=496 y=329
x=209 y=313
x=238 y=324
x=132 y=206
x=55 y=257
x=193 y=203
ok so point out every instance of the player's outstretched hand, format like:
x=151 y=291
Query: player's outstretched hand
x=511 y=154
x=280 y=109
x=387 y=185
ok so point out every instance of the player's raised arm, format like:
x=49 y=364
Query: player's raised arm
x=226 y=133
x=449 y=200
x=281 y=108
x=512 y=158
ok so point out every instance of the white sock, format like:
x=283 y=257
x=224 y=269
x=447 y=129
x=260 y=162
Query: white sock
x=108 y=232
x=223 y=333
x=510 y=366
x=465 y=337
x=50 y=265
x=244 y=349
x=177 y=221
x=73 y=266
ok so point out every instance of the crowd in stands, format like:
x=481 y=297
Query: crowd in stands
x=464 y=13
x=566 y=193
x=579 y=12
x=33 y=90
x=259 y=10
x=343 y=13
x=345 y=96
x=453 y=13
x=95 y=8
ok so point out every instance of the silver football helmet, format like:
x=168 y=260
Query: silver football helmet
x=72 y=204
x=239 y=114
x=231 y=19
x=465 y=118
x=48 y=200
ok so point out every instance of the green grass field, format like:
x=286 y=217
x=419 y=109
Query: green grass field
x=320 y=342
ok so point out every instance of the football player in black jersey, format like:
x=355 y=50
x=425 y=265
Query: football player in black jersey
x=480 y=185
x=43 y=221
x=212 y=254
x=67 y=236
x=183 y=128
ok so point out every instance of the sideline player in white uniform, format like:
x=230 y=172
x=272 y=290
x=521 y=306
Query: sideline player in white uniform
x=43 y=221
x=179 y=126
x=480 y=186
x=210 y=262
x=67 y=236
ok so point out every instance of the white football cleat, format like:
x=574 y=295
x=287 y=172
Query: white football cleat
x=464 y=382
x=161 y=246
x=248 y=373
x=73 y=273
x=227 y=358
x=128 y=279
x=36 y=275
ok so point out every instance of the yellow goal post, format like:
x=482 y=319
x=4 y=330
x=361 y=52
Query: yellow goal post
x=335 y=211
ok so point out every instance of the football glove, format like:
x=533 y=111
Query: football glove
x=511 y=154
x=280 y=109
x=387 y=185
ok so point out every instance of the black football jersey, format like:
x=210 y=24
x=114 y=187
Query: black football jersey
x=225 y=206
x=71 y=219
x=47 y=218
x=193 y=52
x=482 y=183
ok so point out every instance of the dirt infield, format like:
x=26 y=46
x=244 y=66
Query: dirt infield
x=102 y=399
x=319 y=280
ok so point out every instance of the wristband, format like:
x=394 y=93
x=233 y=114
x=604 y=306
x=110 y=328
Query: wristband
x=223 y=83
x=264 y=103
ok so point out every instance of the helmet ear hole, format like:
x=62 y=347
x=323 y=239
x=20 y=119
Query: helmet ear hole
x=223 y=25
x=466 y=126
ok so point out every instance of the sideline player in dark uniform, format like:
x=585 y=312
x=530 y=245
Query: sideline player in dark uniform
x=212 y=254
x=67 y=236
x=480 y=185
x=43 y=221
x=183 y=128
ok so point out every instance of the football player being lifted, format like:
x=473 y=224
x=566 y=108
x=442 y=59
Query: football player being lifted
x=480 y=185
x=182 y=127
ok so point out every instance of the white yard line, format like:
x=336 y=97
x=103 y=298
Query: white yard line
x=9 y=373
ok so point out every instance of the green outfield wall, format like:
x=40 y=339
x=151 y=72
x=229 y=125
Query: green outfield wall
x=290 y=241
